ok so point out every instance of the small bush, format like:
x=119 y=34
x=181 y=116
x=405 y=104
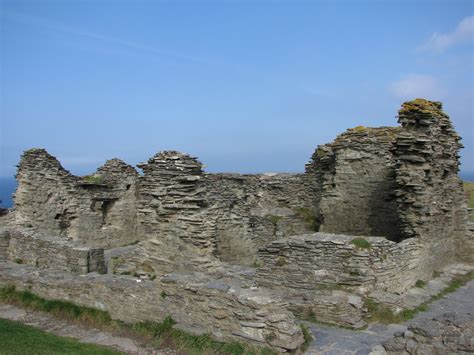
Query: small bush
x=163 y=294
x=308 y=338
x=19 y=261
x=420 y=284
x=361 y=243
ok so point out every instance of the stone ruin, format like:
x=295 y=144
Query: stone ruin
x=243 y=256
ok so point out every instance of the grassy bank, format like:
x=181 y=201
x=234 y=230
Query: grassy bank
x=16 y=338
x=161 y=335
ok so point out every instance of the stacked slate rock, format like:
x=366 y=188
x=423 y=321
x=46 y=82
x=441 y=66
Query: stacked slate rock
x=172 y=201
x=430 y=197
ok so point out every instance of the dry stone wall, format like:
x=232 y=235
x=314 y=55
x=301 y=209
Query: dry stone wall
x=356 y=178
x=322 y=261
x=430 y=199
x=43 y=252
x=196 y=302
x=97 y=210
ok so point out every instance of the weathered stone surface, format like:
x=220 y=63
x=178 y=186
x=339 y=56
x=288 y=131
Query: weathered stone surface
x=356 y=180
x=97 y=210
x=27 y=247
x=430 y=198
x=448 y=333
x=243 y=314
x=322 y=261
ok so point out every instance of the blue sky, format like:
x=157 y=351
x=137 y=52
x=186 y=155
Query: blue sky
x=247 y=86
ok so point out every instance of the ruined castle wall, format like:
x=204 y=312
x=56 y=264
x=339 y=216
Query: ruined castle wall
x=4 y=244
x=27 y=247
x=251 y=210
x=97 y=210
x=430 y=199
x=223 y=216
x=197 y=303
x=356 y=178
x=323 y=261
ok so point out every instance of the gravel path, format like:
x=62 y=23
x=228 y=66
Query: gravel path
x=337 y=341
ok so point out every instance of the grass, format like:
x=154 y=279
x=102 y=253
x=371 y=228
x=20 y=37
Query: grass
x=361 y=243
x=160 y=334
x=308 y=338
x=420 y=284
x=469 y=192
x=377 y=312
x=93 y=179
x=16 y=338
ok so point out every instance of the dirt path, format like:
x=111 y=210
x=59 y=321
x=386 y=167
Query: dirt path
x=83 y=334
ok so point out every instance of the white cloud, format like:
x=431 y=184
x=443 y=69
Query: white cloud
x=416 y=86
x=439 y=42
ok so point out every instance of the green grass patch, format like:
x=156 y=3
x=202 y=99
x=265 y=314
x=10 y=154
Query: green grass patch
x=308 y=338
x=17 y=338
x=160 y=334
x=420 y=284
x=93 y=179
x=361 y=243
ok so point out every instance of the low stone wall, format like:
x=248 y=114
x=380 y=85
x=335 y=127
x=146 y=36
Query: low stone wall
x=448 y=333
x=197 y=303
x=28 y=247
x=322 y=261
x=4 y=243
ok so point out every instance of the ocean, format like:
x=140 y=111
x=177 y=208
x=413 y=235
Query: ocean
x=8 y=187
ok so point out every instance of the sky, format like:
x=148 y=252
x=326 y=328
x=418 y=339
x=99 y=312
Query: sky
x=246 y=86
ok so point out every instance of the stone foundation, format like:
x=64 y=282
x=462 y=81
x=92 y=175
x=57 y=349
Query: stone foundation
x=27 y=247
x=197 y=303
x=322 y=261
